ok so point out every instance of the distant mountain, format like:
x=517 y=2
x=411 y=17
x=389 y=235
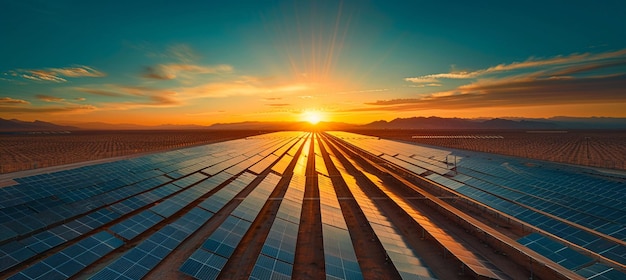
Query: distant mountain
x=499 y=123
x=457 y=124
x=35 y=126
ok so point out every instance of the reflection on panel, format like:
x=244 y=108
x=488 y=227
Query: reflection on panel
x=208 y=261
x=581 y=205
x=401 y=255
x=278 y=251
x=339 y=256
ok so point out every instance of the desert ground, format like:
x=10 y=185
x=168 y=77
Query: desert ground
x=21 y=151
x=606 y=149
x=597 y=148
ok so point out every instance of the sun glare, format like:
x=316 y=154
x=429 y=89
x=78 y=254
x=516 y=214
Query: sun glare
x=312 y=117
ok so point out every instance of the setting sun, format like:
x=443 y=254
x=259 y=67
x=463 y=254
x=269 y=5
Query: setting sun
x=312 y=117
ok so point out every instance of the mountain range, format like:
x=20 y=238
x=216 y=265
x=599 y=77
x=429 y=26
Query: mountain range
x=426 y=123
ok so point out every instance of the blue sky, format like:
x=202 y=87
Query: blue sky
x=204 y=62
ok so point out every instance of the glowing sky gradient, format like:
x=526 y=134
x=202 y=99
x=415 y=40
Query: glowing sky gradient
x=205 y=62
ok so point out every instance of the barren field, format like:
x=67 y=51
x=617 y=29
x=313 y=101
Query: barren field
x=29 y=151
x=606 y=149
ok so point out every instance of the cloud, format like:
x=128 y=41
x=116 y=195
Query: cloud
x=519 y=92
x=272 y=98
x=588 y=67
x=130 y=97
x=48 y=109
x=182 y=52
x=573 y=59
x=100 y=92
x=78 y=71
x=171 y=71
x=365 y=91
x=426 y=85
x=279 y=104
x=239 y=88
x=575 y=79
x=48 y=98
x=80 y=99
x=11 y=101
x=56 y=74
x=42 y=75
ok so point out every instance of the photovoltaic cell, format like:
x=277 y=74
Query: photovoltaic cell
x=136 y=224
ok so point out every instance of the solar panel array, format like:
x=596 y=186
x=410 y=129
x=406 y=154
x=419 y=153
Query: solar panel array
x=192 y=209
x=580 y=205
x=49 y=211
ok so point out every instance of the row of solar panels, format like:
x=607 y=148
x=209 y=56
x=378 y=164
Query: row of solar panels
x=478 y=264
x=130 y=200
x=568 y=258
x=487 y=178
x=339 y=255
x=400 y=253
x=277 y=255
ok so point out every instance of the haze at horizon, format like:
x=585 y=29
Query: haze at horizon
x=201 y=63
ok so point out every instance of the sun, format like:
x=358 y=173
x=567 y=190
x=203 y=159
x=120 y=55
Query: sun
x=312 y=117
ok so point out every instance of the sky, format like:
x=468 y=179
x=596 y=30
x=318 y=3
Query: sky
x=205 y=62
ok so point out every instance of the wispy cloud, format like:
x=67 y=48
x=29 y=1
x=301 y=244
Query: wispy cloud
x=574 y=79
x=99 y=92
x=78 y=71
x=130 y=97
x=18 y=106
x=171 y=71
x=365 y=91
x=11 y=101
x=56 y=74
x=42 y=75
x=573 y=59
x=240 y=88
x=48 y=98
x=426 y=85
x=278 y=104
x=182 y=52
x=518 y=92
x=49 y=109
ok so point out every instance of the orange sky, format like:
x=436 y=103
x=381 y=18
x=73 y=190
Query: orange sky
x=209 y=63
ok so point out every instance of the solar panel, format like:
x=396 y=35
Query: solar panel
x=72 y=259
x=136 y=224
x=555 y=251
x=209 y=260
